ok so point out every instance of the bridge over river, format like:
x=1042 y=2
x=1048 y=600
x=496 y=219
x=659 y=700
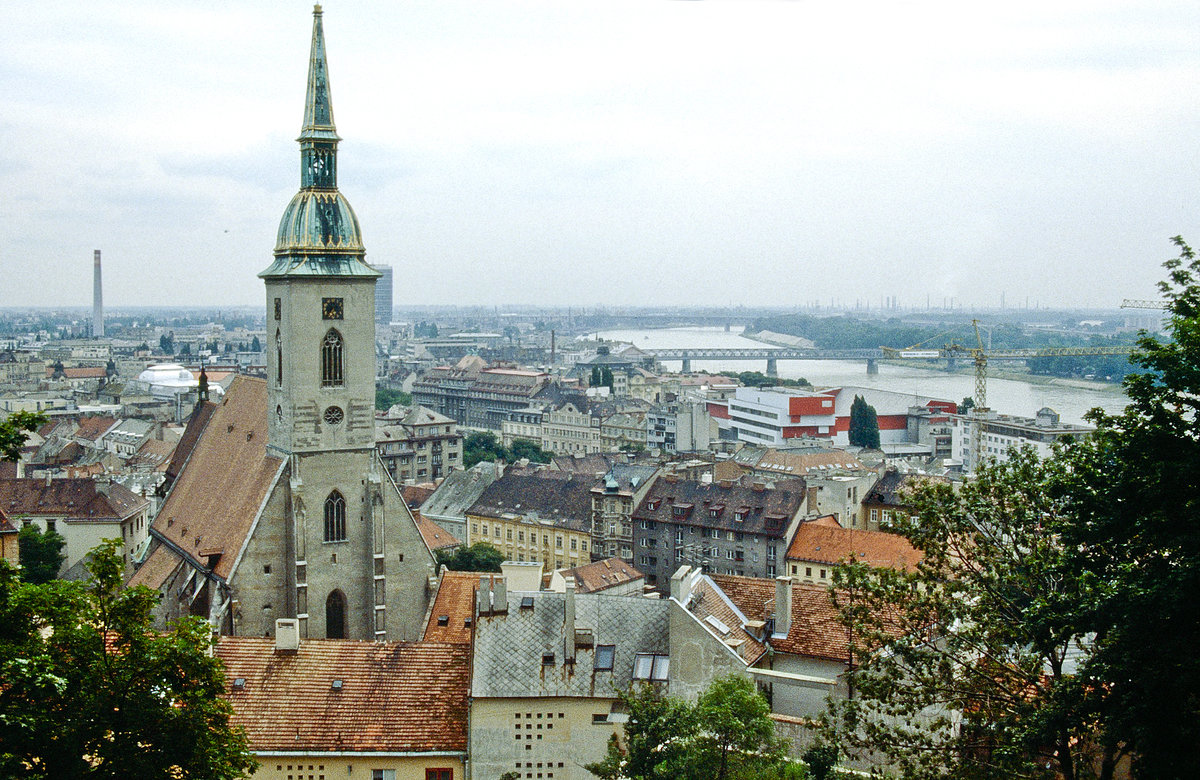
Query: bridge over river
x=772 y=355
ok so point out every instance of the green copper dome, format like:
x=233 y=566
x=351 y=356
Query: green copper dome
x=319 y=233
x=319 y=221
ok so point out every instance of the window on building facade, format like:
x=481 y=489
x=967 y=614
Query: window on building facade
x=332 y=374
x=604 y=657
x=651 y=666
x=335 y=518
x=278 y=357
x=439 y=774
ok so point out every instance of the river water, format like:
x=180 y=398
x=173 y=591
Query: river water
x=1008 y=396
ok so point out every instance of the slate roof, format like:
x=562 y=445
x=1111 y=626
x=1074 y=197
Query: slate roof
x=453 y=608
x=396 y=697
x=459 y=491
x=602 y=575
x=625 y=477
x=890 y=487
x=779 y=501
x=509 y=648
x=222 y=488
x=828 y=544
x=594 y=464
x=73 y=499
x=562 y=498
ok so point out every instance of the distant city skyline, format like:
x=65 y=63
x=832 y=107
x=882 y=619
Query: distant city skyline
x=650 y=153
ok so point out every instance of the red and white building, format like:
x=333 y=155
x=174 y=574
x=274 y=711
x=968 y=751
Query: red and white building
x=771 y=416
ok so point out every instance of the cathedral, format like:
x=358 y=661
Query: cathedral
x=278 y=505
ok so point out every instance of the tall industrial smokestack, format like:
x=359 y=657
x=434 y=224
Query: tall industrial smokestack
x=97 y=301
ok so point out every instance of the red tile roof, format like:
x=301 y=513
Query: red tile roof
x=602 y=575
x=454 y=605
x=826 y=544
x=92 y=428
x=224 y=484
x=72 y=499
x=395 y=697
x=815 y=630
x=436 y=537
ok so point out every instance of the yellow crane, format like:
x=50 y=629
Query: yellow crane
x=980 y=356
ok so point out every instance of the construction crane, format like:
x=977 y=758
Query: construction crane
x=980 y=356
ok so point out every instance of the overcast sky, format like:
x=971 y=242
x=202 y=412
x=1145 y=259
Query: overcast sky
x=584 y=153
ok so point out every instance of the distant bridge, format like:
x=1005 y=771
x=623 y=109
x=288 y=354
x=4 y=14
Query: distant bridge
x=774 y=354
x=770 y=354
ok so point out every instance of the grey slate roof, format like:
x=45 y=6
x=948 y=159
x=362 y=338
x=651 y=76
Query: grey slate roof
x=509 y=647
x=459 y=491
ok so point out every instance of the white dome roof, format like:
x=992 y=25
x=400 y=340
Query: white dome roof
x=168 y=375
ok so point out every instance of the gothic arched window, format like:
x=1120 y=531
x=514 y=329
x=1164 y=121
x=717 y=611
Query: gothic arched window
x=335 y=518
x=331 y=360
x=278 y=359
x=335 y=616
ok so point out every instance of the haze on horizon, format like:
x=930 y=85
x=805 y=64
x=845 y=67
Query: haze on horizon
x=625 y=153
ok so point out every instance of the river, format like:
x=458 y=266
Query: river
x=1069 y=398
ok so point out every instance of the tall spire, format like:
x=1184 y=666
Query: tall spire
x=318 y=234
x=318 y=108
x=318 y=138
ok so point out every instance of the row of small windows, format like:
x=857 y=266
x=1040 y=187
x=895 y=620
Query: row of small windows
x=332 y=359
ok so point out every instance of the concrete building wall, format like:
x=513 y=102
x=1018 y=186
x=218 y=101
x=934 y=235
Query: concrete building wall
x=263 y=584
x=356 y=767
x=804 y=700
x=697 y=657
x=539 y=736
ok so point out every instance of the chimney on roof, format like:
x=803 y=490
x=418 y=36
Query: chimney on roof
x=485 y=595
x=49 y=478
x=499 y=594
x=287 y=635
x=569 y=622
x=812 y=498
x=759 y=487
x=783 y=606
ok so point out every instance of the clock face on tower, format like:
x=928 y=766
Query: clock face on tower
x=331 y=308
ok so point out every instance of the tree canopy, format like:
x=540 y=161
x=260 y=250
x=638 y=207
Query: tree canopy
x=40 y=554
x=483 y=445
x=727 y=734
x=864 y=424
x=480 y=556
x=13 y=430
x=91 y=692
x=1050 y=630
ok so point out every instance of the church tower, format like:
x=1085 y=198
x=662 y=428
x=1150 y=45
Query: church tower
x=342 y=527
x=320 y=297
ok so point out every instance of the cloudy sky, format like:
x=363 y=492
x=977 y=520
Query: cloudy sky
x=606 y=152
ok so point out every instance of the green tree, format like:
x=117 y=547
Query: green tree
x=40 y=554
x=963 y=664
x=255 y=345
x=968 y=403
x=1136 y=545
x=386 y=398
x=606 y=377
x=185 y=349
x=480 y=446
x=864 y=424
x=59 y=370
x=727 y=735
x=527 y=448
x=596 y=378
x=480 y=556
x=12 y=432
x=166 y=343
x=90 y=691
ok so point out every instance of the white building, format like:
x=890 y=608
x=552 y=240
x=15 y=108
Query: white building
x=1003 y=433
x=772 y=415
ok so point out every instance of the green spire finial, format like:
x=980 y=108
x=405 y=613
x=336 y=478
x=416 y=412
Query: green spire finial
x=318 y=108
